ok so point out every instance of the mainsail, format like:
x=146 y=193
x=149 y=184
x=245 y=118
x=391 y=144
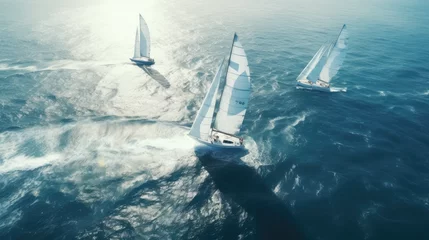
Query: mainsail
x=311 y=65
x=142 y=43
x=144 y=38
x=236 y=93
x=336 y=56
x=202 y=123
x=137 y=45
x=315 y=72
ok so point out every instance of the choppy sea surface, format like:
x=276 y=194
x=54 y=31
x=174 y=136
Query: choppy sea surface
x=94 y=147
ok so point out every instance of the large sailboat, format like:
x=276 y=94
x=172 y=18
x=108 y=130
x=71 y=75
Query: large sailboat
x=324 y=65
x=142 y=44
x=232 y=107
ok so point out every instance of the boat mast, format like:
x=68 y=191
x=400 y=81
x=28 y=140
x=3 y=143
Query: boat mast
x=331 y=47
x=229 y=61
x=333 y=44
x=339 y=34
x=230 y=54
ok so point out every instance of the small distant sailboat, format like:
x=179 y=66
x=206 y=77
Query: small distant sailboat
x=325 y=65
x=232 y=107
x=142 y=44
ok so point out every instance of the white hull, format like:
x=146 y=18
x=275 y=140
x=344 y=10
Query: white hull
x=301 y=85
x=219 y=139
x=218 y=145
x=143 y=61
x=318 y=86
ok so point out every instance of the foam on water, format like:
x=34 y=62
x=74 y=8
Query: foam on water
x=5 y=67
x=337 y=89
x=83 y=157
x=290 y=129
x=273 y=121
x=158 y=147
x=25 y=163
x=59 y=65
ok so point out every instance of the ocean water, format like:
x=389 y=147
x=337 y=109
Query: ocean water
x=94 y=147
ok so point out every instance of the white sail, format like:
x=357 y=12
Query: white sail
x=236 y=93
x=137 y=45
x=144 y=38
x=315 y=72
x=336 y=56
x=202 y=124
x=311 y=65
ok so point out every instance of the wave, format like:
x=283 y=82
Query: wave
x=290 y=129
x=410 y=108
x=395 y=94
x=94 y=162
x=91 y=142
x=272 y=122
x=252 y=158
x=6 y=67
x=382 y=93
x=338 y=89
x=320 y=189
x=366 y=136
x=59 y=65
x=113 y=148
x=385 y=93
x=108 y=163
x=297 y=182
x=24 y=163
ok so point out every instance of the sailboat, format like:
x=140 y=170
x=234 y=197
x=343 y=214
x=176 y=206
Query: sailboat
x=232 y=107
x=142 y=44
x=324 y=65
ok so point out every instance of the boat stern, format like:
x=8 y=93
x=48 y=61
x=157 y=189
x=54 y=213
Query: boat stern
x=224 y=140
x=143 y=61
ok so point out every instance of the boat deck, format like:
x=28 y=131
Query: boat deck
x=222 y=139
x=319 y=85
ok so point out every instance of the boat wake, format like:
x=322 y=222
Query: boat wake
x=100 y=163
x=93 y=142
x=7 y=67
x=337 y=89
x=58 y=65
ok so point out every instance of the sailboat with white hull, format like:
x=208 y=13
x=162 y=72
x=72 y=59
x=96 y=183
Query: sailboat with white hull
x=325 y=65
x=232 y=107
x=142 y=44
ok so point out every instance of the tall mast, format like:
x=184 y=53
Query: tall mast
x=333 y=44
x=336 y=40
x=230 y=53
x=216 y=103
x=229 y=61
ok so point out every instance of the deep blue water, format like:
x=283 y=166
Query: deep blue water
x=93 y=147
